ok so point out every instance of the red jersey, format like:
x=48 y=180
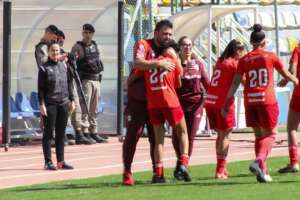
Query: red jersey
x=161 y=86
x=258 y=68
x=220 y=83
x=296 y=59
x=143 y=49
x=194 y=82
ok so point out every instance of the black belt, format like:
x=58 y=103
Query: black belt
x=92 y=77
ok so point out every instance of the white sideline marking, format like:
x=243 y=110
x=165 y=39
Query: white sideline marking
x=113 y=166
x=74 y=147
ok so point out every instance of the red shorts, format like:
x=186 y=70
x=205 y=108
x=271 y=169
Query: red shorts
x=217 y=121
x=295 y=103
x=161 y=115
x=265 y=116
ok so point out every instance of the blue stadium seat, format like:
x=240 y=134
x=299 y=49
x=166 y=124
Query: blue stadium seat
x=241 y=19
x=34 y=102
x=23 y=105
x=14 y=112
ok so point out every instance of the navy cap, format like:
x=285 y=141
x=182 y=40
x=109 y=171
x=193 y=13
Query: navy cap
x=52 y=28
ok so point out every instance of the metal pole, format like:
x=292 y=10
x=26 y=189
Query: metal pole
x=181 y=5
x=172 y=7
x=140 y=23
x=209 y=48
x=6 y=72
x=120 y=66
x=150 y=15
x=276 y=32
x=276 y=27
x=218 y=26
x=255 y=15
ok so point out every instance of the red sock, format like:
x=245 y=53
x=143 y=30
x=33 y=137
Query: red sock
x=221 y=164
x=159 y=169
x=184 y=159
x=265 y=144
x=293 y=151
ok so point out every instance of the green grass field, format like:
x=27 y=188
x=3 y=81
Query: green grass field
x=242 y=185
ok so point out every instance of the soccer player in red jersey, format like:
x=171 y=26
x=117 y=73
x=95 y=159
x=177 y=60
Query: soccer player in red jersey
x=164 y=105
x=260 y=102
x=136 y=111
x=191 y=94
x=226 y=68
x=294 y=114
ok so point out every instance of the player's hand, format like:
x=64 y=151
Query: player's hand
x=43 y=110
x=121 y=138
x=296 y=81
x=63 y=57
x=282 y=83
x=166 y=64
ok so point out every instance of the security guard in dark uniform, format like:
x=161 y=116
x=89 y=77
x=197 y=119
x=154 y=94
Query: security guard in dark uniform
x=56 y=98
x=89 y=68
x=41 y=49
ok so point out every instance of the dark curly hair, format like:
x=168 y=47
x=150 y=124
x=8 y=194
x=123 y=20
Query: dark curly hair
x=172 y=44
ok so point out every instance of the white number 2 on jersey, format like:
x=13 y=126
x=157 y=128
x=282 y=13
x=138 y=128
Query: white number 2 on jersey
x=258 y=77
x=215 y=77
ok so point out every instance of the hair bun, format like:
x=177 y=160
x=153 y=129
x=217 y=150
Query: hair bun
x=257 y=27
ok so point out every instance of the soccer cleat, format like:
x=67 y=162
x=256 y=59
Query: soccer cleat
x=64 y=165
x=177 y=173
x=158 y=179
x=289 y=169
x=184 y=173
x=128 y=178
x=49 y=166
x=258 y=172
x=268 y=178
x=222 y=174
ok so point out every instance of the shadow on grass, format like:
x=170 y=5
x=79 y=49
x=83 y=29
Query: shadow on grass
x=171 y=183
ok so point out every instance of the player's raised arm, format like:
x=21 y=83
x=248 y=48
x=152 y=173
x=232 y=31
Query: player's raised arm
x=141 y=62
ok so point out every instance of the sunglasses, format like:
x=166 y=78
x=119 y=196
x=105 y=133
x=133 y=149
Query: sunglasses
x=87 y=32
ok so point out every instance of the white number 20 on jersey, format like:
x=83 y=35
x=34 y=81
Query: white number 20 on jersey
x=258 y=77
